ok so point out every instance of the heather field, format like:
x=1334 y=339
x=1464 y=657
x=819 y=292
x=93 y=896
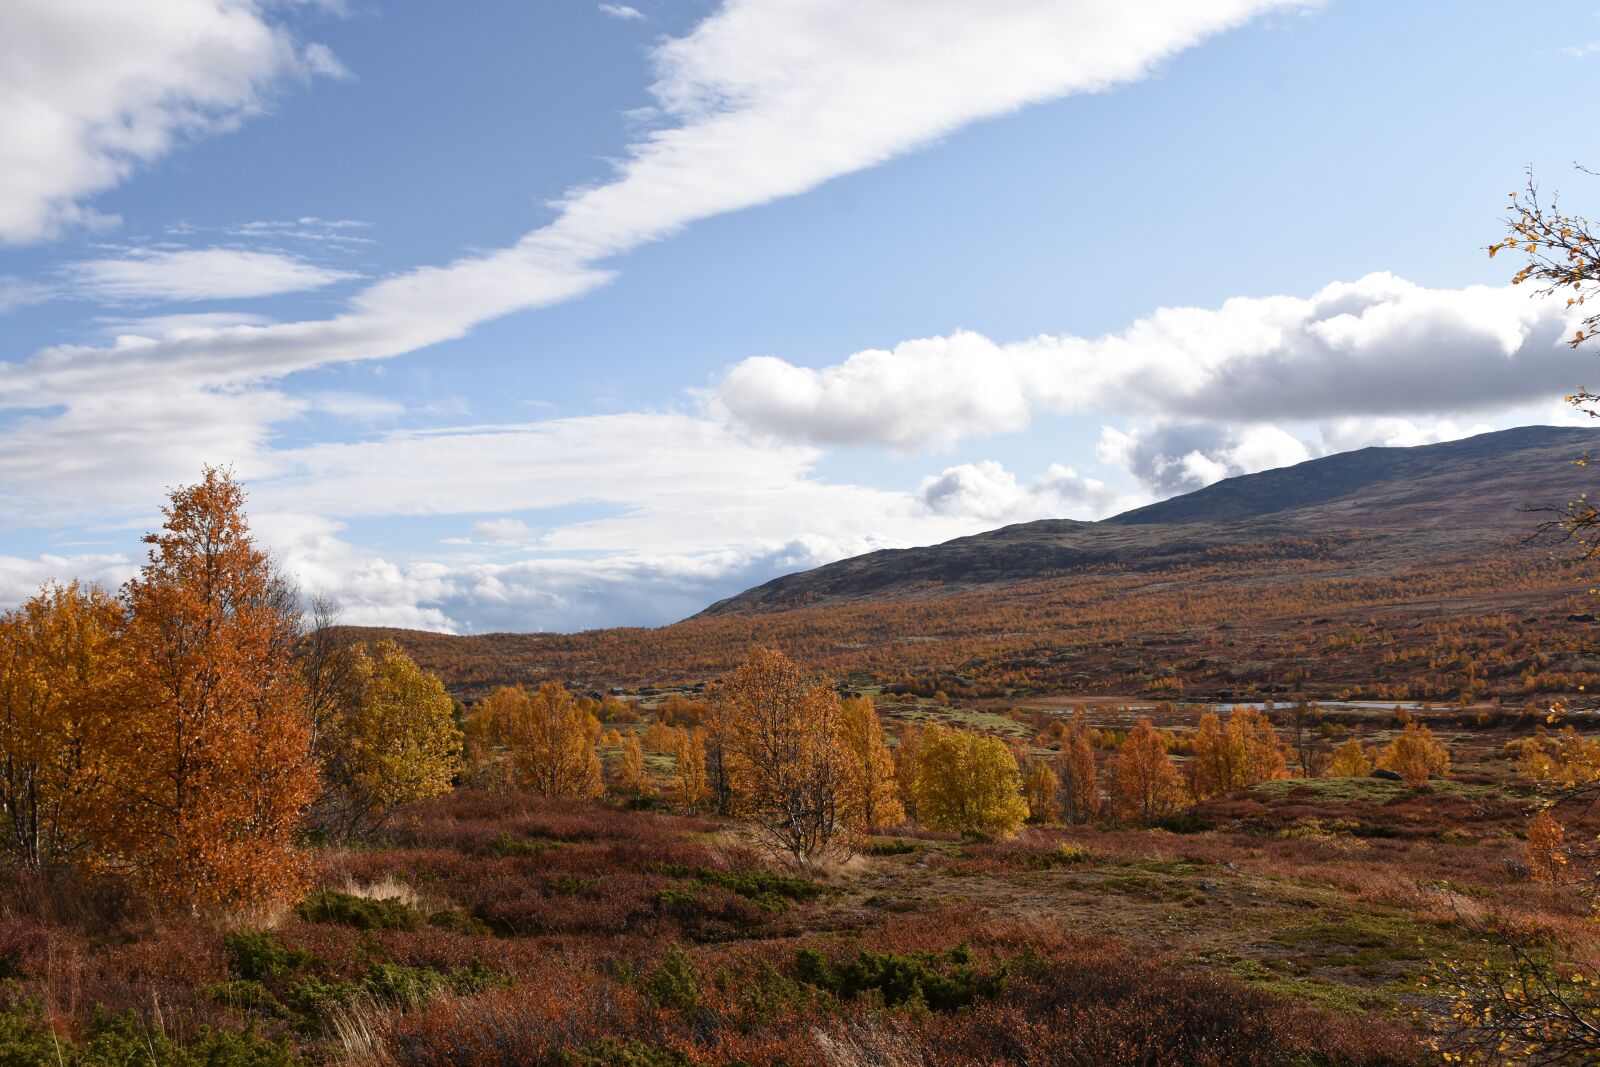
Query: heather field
x=1294 y=921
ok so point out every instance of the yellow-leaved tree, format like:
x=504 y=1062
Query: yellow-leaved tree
x=871 y=794
x=780 y=737
x=1041 y=788
x=217 y=768
x=1147 y=786
x=1235 y=755
x=631 y=774
x=908 y=770
x=390 y=739
x=1415 y=756
x=689 y=766
x=58 y=733
x=549 y=739
x=969 y=783
x=1350 y=760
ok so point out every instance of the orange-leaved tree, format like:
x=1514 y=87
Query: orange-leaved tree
x=1147 y=786
x=1041 y=787
x=1350 y=760
x=782 y=744
x=631 y=774
x=217 y=768
x=1080 y=783
x=550 y=739
x=908 y=770
x=689 y=766
x=59 y=672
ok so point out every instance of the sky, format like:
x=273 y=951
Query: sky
x=549 y=315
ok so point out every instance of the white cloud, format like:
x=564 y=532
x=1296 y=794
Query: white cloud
x=159 y=325
x=503 y=531
x=21 y=578
x=16 y=292
x=762 y=100
x=95 y=88
x=622 y=11
x=1180 y=458
x=987 y=491
x=1377 y=346
x=175 y=276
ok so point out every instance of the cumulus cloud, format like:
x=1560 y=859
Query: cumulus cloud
x=96 y=88
x=1180 y=458
x=1379 y=346
x=186 y=275
x=988 y=491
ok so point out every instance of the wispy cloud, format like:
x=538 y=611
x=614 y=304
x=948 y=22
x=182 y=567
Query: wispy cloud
x=185 y=275
x=622 y=11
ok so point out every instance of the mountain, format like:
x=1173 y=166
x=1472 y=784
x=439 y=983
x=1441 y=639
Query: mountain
x=1372 y=508
x=1382 y=574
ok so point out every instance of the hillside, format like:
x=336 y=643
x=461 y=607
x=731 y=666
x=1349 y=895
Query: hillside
x=1386 y=573
x=1371 y=509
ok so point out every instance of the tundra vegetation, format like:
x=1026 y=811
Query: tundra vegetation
x=237 y=834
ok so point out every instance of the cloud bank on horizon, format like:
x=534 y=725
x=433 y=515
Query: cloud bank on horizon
x=189 y=344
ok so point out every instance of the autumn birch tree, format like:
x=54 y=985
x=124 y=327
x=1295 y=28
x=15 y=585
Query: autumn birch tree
x=784 y=751
x=872 y=799
x=549 y=739
x=1148 y=787
x=58 y=729
x=969 y=783
x=217 y=768
x=390 y=739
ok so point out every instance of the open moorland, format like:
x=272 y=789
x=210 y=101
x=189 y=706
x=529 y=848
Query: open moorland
x=1292 y=921
x=1239 y=809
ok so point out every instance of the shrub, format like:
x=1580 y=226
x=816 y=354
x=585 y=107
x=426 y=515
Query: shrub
x=941 y=982
x=255 y=955
x=676 y=982
x=346 y=909
x=123 y=1040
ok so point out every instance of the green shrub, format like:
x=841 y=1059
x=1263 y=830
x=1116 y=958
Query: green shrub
x=942 y=982
x=256 y=955
x=407 y=987
x=124 y=1040
x=314 y=998
x=771 y=890
x=676 y=983
x=346 y=909
x=246 y=994
x=459 y=922
x=506 y=845
x=1186 y=822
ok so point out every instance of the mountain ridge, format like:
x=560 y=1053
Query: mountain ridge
x=1374 y=505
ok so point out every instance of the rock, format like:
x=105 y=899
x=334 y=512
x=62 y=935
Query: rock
x=1387 y=775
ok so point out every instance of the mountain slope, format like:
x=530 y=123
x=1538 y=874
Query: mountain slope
x=1370 y=510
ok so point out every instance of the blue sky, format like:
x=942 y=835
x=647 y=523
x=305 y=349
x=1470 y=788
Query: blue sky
x=556 y=315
